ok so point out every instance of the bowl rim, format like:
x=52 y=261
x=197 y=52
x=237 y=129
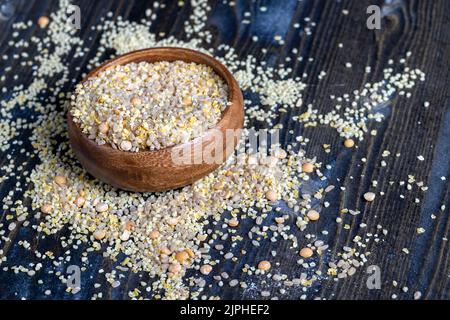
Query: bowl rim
x=234 y=93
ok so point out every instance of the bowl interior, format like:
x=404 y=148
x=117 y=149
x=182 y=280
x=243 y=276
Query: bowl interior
x=174 y=54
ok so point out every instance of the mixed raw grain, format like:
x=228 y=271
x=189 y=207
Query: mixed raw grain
x=144 y=105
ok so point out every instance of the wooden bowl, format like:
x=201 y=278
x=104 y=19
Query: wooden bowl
x=154 y=170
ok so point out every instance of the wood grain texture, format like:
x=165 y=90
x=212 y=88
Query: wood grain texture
x=421 y=27
x=160 y=170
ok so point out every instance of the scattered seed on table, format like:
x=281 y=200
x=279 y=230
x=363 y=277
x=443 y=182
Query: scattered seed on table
x=233 y=282
x=43 y=21
x=369 y=196
x=174 y=268
x=280 y=153
x=349 y=143
x=307 y=167
x=279 y=220
x=313 y=215
x=265 y=294
x=271 y=195
x=233 y=223
x=79 y=201
x=228 y=255
x=206 y=269
x=182 y=257
x=306 y=252
x=264 y=265
x=99 y=234
x=125 y=235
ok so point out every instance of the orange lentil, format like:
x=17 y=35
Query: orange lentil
x=206 y=269
x=271 y=195
x=349 y=143
x=313 y=215
x=306 y=252
x=43 y=21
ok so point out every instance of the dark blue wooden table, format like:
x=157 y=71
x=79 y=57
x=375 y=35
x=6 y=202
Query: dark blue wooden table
x=421 y=27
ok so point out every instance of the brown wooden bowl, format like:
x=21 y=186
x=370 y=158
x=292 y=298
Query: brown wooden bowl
x=154 y=170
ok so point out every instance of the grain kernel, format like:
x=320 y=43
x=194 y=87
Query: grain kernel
x=46 y=208
x=154 y=234
x=165 y=251
x=99 y=234
x=79 y=201
x=101 y=207
x=135 y=101
x=279 y=220
x=43 y=21
x=174 y=268
x=126 y=145
x=306 y=252
x=60 y=180
x=103 y=127
x=271 y=195
x=369 y=196
x=280 y=153
x=307 y=167
x=182 y=256
x=129 y=225
x=264 y=265
x=233 y=222
x=206 y=269
x=219 y=185
x=187 y=101
x=125 y=235
x=313 y=215
x=349 y=143
x=190 y=252
x=172 y=222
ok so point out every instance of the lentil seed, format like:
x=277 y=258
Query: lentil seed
x=313 y=215
x=99 y=234
x=307 y=167
x=46 y=208
x=306 y=252
x=264 y=265
x=179 y=101
x=127 y=31
x=43 y=22
x=60 y=180
x=206 y=269
x=182 y=257
x=369 y=196
x=101 y=207
x=349 y=143
x=271 y=195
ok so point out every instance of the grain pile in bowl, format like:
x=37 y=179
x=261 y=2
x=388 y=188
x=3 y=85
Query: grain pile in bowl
x=141 y=106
